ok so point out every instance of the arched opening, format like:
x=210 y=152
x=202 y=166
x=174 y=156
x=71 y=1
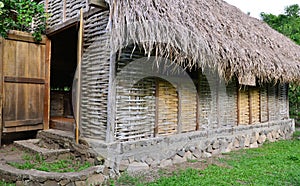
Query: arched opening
x=167 y=108
x=148 y=108
x=154 y=97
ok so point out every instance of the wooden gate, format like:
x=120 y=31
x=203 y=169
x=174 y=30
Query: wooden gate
x=24 y=87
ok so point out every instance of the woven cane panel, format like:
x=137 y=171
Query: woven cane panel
x=282 y=101
x=73 y=7
x=37 y=20
x=214 y=114
x=228 y=104
x=95 y=77
x=255 y=105
x=264 y=110
x=188 y=109
x=135 y=113
x=243 y=106
x=204 y=100
x=135 y=99
x=168 y=108
x=272 y=102
x=55 y=10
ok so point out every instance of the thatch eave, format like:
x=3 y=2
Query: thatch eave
x=210 y=34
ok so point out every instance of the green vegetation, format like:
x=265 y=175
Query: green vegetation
x=21 y=15
x=2 y=183
x=289 y=25
x=272 y=164
x=69 y=164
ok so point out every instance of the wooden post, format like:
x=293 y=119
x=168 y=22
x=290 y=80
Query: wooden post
x=250 y=100
x=111 y=100
x=218 y=99
x=64 y=10
x=287 y=99
x=179 y=109
x=156 y=107
x=79 y=55
x=238 y=104
x=198 y=99
x=1 y=86
x=47 y=85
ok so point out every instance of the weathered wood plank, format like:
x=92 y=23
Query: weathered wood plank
x=22 y=60
x=23 y=128
x=34 y=63
x=9 y=58
x=46 y=98
x=9 y=79
x=25 y=122
x=23 y=36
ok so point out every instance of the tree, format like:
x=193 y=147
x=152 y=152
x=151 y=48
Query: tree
x=289 y=25
x=22 y=15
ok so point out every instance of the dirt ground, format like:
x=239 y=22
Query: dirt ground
x=10 y=153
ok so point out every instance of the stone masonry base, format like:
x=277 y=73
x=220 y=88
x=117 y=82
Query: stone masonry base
x=133 y=156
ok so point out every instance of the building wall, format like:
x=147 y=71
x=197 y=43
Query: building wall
x=191 y=100
x=95 y=76
x=61 y=11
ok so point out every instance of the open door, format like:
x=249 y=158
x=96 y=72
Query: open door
x=24 y=83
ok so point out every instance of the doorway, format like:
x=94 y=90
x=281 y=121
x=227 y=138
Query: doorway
x=63 y=68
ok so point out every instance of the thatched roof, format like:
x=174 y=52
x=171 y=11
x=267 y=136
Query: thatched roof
x=210 y=34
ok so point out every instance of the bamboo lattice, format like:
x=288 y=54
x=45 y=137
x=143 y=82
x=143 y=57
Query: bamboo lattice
x=95 y=77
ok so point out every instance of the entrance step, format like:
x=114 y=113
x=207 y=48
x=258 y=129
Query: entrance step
x=60 y=137
x=37 y=146
x=65 y=140
x=62 y=123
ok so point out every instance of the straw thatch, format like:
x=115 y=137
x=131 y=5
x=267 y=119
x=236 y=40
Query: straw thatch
x=209 y=34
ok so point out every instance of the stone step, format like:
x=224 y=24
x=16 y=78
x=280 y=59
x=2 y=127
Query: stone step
x=66 y=140
x=36 y=146
x=55 y=134
x=62 y=123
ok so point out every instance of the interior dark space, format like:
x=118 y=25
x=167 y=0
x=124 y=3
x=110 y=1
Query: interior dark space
x=63 y=67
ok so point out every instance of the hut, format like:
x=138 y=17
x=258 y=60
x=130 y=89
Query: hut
x=163 y=81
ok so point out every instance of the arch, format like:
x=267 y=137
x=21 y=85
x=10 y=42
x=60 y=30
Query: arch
x=168 y=75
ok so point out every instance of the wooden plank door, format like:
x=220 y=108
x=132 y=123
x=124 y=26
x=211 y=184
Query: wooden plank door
x=25 y=83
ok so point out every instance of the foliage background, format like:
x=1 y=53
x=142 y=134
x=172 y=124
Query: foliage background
x=289 y=25
x=22 y=15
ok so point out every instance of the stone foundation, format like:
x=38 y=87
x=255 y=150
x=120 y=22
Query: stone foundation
x=145 y=154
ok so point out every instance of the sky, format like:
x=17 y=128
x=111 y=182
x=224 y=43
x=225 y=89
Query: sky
x=255 y=7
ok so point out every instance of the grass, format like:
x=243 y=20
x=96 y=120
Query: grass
x=37 y=162
x=2 y=183
x=272 y=164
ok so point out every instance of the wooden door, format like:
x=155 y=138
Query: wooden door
x=25 y=86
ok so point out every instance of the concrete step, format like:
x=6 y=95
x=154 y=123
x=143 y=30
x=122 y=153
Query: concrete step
x=37 y=146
